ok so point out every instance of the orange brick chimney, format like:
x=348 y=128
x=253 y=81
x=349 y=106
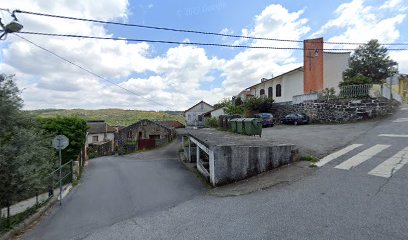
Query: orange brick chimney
x=313 y=65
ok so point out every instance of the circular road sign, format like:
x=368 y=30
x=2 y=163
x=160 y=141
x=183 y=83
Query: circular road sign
x=60 y=142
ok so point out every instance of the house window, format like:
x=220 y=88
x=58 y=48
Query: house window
x=262 y=92
x=94 y=138
x=270 y=92
x=129 y=135
x=278 y=90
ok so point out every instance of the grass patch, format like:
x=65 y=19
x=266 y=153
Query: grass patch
x=310 y=158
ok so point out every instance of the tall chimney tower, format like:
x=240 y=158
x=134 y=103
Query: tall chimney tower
x=313 y=65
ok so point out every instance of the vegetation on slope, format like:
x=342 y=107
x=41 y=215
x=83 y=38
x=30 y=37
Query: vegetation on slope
x=114 y=117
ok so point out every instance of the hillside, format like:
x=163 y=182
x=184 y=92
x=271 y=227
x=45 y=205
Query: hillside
x=114 y=117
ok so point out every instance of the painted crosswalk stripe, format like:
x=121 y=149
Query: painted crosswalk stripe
x=391 y=165
x=337 y=154
x=362 y=157
x=394 y=135
x=401 y=120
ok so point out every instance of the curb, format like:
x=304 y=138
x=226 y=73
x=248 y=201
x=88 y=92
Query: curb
x=27 y=222
x=40 y=212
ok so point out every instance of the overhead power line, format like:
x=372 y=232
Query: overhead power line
x=192 y=43
x=89 y=71
x=184 y=30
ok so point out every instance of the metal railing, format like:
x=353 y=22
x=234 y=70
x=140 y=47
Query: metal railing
x=355 y=90
x=40 y=193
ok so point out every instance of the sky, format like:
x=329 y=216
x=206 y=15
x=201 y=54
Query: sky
x=176 y=76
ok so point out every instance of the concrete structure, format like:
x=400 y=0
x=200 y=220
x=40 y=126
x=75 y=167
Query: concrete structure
x=224 y=157
x=214 y=113
x=100 y=132
x=397 y=87
x=194 y=116
x=320 y=70
x=334 y=65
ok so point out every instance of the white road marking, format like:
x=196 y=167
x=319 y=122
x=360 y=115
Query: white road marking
x=401 y=120
x=391 y=165
x=404 y=109
x=362 y=157
x=394 y=135
x=337 y=154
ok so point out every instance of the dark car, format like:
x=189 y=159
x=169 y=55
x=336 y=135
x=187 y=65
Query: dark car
x=267 y=119
x=295 y=118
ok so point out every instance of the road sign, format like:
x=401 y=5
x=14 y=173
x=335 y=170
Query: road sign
x=60 y=142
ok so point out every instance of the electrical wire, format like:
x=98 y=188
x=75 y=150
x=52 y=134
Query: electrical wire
x=183 y=30
x=193 y=43
x=90 y=72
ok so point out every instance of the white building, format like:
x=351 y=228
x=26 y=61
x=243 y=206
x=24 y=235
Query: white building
x=100 y=132
x=194 y=116
x=319 y=71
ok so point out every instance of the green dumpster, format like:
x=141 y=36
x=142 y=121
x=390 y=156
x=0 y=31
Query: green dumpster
x=253 y=126
x=233 y=123
x=240 y=125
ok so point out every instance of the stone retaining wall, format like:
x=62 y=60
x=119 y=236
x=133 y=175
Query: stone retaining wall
x=338 y=110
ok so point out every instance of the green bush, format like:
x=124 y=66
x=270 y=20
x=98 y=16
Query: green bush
x=211 y=122
x=260 y=104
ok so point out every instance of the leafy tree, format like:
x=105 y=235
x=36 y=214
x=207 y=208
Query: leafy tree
x=261 y=104
x=223 y=103
x=74 y=128
x=369 y=64
x=26 y=155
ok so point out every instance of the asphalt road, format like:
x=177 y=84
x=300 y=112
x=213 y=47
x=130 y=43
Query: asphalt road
x=317 y=139
x=117 y=188
x=328 y=203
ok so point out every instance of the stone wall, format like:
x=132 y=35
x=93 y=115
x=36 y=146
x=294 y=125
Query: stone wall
x=101 y=149
x=338 y=110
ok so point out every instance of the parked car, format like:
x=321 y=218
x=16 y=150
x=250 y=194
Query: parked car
x=295 y=118
x=267 y=119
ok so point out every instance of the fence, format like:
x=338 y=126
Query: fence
x=40 y=193
x=355 y=91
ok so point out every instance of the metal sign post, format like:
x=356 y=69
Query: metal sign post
x=60 y=142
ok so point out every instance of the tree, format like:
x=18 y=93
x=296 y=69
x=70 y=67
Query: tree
x=26 y=155
x=260 y=104
x=369 y=64
x=74 y=128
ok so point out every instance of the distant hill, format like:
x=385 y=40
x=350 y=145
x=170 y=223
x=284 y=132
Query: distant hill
x=114 y=117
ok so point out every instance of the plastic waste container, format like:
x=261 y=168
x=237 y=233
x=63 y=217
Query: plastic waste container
x=252 y=126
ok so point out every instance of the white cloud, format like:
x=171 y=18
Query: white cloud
x=390 y=4
x=249 y=66
x=359 y=22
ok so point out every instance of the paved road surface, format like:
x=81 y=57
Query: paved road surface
x=339 y=200
x=117 y=188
